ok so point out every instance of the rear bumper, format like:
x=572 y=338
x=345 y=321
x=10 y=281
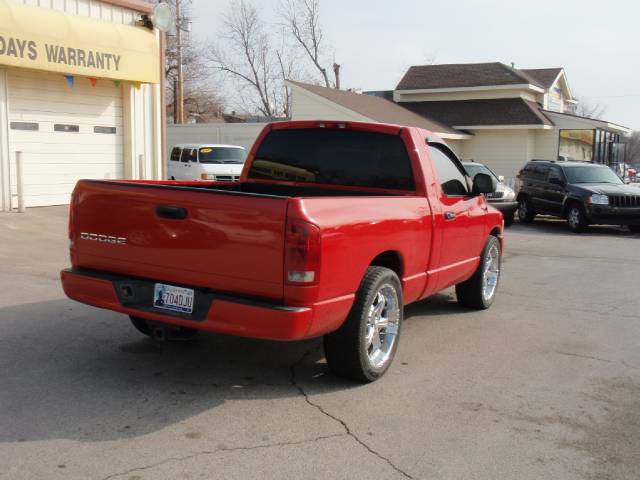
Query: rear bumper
x=218 y=312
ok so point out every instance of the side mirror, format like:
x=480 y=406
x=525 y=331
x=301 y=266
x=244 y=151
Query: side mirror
x=483 y=183
x=501 y=178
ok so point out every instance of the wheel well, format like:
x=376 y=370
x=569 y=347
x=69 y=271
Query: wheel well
x=389 y=259
x=495 y=232
x=568 y=203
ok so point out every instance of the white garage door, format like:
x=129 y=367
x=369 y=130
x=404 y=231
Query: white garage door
x=65 y=134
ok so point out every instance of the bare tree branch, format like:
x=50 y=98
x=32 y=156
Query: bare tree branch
x=302 y=20
x=590 y=110
x=246 y=56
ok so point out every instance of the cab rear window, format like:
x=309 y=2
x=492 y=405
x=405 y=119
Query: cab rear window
x=334 y=157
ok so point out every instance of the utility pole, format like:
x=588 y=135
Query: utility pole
x=179 y=113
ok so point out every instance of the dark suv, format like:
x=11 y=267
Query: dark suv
x=582 y=192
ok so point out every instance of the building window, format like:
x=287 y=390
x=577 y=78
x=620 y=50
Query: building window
x=62 y=127
x=576 y=145
x=109 y=130
x=31 y=126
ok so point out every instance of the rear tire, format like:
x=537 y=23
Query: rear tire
x=634 y=228
x=526 y=213
x=169 y=332
x=577 y=218
x=364 y=346
x=480 y=290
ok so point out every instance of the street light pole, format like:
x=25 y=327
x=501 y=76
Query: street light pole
x=179 y=111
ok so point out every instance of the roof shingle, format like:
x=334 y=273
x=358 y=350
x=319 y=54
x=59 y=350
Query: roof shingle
x=500 y=111
x=378 y=109
x=544 y=76
x=461 y=75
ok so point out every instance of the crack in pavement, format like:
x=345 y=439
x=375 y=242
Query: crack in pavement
x=220 y=450
x=346 y=428
x=589 y=357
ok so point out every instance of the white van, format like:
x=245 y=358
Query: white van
x=206 y=162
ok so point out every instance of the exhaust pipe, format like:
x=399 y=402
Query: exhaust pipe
x=159 y=334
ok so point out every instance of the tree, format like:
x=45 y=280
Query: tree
x=632 y=148
x=301 y=19
x=247 y=56
x=590 y=110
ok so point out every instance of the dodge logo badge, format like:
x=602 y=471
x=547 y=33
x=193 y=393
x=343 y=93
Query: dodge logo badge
x=98 y=237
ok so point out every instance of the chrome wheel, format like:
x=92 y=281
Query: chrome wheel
x=574 y=217
x=491 y=273
x=383 y=321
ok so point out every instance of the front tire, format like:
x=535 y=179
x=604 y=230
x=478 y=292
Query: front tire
x=634 y=228
x=364 y=346
x=508 y=219
x=480 y=290
x=526 y=213
x=577 y=218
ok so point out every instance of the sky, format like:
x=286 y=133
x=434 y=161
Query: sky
x=375 y=41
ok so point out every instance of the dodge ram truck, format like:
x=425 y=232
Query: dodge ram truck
x=333 y=228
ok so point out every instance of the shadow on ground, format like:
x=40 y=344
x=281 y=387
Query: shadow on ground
x=544 y=225
x=75 y=372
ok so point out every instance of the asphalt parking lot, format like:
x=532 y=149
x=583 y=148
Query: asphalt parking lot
x=545 y=384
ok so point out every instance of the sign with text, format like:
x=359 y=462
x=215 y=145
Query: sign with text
x=51 y=40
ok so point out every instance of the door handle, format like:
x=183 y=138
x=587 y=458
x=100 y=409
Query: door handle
x=171 y=211
x=449 y=215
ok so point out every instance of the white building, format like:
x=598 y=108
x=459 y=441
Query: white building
x=80 y=96
x=512 y=115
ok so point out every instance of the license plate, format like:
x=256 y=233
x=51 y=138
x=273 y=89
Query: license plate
x=177 y=299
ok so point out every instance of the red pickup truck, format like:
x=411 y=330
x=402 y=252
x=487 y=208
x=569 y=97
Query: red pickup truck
x=332 y=229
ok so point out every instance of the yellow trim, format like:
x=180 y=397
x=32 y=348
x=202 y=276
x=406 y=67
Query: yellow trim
x=46 y=39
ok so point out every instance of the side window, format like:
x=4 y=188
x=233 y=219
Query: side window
x=450 y=176
x=542 y=171
x=189 y=155
x=175 y=154
x=556 y=174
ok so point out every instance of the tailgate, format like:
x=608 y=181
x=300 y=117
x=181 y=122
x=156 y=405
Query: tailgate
x=229 y=242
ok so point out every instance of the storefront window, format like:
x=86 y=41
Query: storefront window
x=576 y=145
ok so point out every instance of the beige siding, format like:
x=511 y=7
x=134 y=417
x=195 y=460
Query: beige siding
x=308 y=106
x=504 y=151
x=546 y=147
x=88 y=8
x=455 y=145
x=399 y=96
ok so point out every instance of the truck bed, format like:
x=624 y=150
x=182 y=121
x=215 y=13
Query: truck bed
x=230 y=240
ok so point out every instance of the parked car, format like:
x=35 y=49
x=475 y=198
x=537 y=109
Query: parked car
x=210 y=162
x=503 y=199
x=332 y=229
x=583 y=193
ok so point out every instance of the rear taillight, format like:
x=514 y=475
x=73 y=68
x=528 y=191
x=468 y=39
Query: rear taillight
x=72 y=232
x=302 y=253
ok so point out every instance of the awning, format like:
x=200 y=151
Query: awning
x=46 y=39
